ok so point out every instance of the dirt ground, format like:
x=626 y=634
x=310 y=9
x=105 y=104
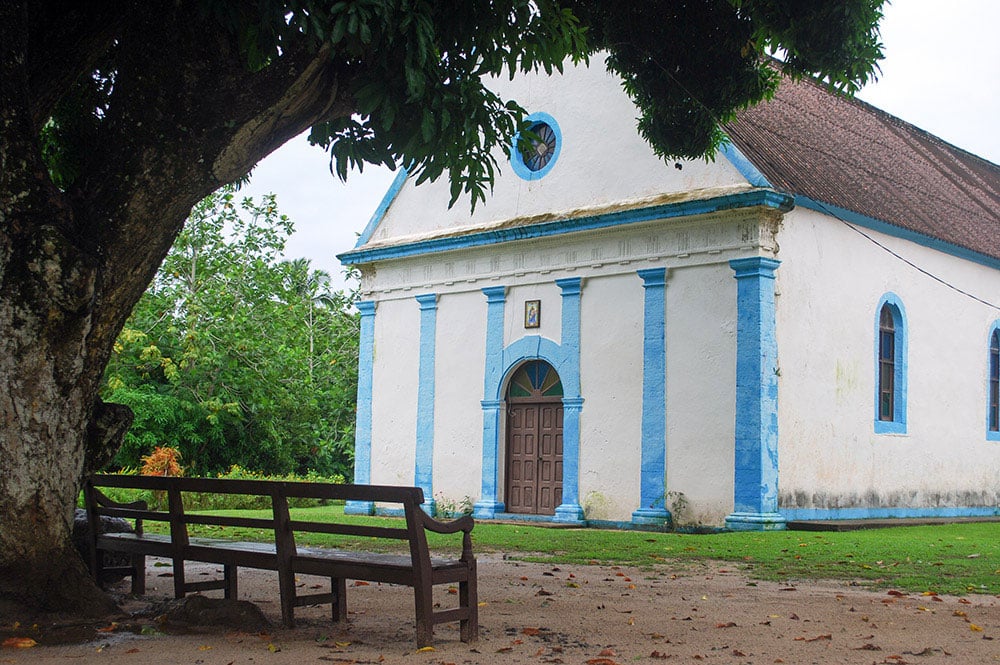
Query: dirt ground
x=580 y=615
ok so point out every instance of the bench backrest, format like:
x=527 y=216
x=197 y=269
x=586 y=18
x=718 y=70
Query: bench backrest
x=410 y=498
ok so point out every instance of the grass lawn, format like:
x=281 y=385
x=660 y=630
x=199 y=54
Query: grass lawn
x=950 y=559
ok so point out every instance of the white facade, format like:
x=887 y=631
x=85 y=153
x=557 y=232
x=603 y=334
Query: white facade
x=686 y=394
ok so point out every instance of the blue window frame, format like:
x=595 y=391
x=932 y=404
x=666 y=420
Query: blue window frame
x=993 y=386
x=541 y=156
x=890 y=366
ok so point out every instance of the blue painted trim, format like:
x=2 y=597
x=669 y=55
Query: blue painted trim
x=888 y=513
x=898 y=423
x=991 y=435
x=536 y=347
x=423 y=473
x=752 y=199
x=488 y=504
x=517 y=161
x=383 y=206
x=570 y=510
x=755 y=492
x=653 y=463
x=363 y=425
x=743 y=165
x=897 y=231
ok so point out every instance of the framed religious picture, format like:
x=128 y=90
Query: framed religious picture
x=532 y=313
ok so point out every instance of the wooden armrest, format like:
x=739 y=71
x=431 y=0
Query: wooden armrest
x=464 y=523
x=105 y=502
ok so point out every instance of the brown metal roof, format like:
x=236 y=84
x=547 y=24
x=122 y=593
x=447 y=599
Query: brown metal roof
x=812 y=142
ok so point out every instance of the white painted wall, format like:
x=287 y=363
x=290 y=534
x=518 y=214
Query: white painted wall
x=830 y=282
x=458 y=382
x=701 y=394
x=603 y=162
x=394 y=402
x=611 y=384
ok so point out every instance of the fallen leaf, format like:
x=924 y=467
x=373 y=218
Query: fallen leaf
x=898 y=594
x=425 y=649
x=361 y=583
x=868 y=646
x=660 y=656
x=482 y=603
x=601 y=661
x=132 y=650
x=19 y=642
x=530 y=631
x=973 y=627
x=273 y=648
x=543 y=592
x=731 y=624
x=110 y=628
x=505 y=649
x=205 y=647
x=828 y=636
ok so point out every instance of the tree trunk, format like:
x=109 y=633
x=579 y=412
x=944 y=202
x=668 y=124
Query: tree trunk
x=186 y=117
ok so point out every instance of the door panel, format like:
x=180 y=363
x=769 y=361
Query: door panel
x=534 y=457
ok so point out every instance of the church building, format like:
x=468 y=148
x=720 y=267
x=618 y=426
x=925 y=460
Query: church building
x=805 y=328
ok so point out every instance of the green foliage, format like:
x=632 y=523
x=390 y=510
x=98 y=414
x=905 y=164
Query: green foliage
x=688 y=66
x=234 y=356
x=416 y=72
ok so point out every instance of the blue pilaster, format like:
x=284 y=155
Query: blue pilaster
x=363 y=426
x=570 y=510
x=755 y=495
x=423 y=475
x=653 y=465
x=488 y=506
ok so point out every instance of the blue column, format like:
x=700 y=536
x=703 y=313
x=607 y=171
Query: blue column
x=423 y=476
x=363 y=423
x=570 y=510
x=488 y=506
x=755 y=495
x=653 y=465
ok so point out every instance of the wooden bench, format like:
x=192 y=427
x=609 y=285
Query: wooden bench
x=416 y=569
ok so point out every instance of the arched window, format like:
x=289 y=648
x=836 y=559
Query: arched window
x=993 y=391
x=890 y=367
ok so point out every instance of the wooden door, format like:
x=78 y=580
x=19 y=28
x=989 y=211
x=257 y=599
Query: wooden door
x=534 y=460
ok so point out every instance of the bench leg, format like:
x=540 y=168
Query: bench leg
x=338 y=588
x=138 y=575
x=468 y=597
x=232 y=591
x=424 y=600
x=286 y=589
x=179 y=590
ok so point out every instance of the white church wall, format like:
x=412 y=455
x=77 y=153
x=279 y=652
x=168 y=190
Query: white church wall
x=593 y=127
x=830 y=283
x=395 y=381
x=458 y=413
x=611 y=383
x=701 y=378
x=549 y=296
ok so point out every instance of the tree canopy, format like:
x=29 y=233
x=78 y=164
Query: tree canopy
x=117 y=117
x=234 y=356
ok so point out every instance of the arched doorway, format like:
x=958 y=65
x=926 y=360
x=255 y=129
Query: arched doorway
x=534 y=459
